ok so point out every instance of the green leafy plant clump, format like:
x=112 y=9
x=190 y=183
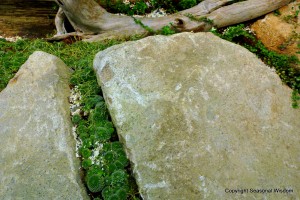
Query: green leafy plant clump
x=104 y=161
x=103 y=157
x=285 y=66
x=95 y=182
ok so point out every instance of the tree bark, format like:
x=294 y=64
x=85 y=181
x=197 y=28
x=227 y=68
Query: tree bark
x=91 y=19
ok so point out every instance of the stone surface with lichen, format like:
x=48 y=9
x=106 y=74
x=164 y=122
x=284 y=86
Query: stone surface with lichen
x=198 y=114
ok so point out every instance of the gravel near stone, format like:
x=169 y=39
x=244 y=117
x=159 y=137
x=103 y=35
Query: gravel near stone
x=11 y=39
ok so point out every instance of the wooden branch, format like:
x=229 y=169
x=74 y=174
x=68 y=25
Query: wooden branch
x=244 y=11
x=88 y=17
x=205 y=7
x=59 y=22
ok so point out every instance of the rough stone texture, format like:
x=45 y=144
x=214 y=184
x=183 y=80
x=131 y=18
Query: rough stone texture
x=198 y=115
x=280 y=33
x=37 y=156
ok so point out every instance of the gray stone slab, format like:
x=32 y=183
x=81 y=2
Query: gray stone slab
x=201 y=118
x=37 y=157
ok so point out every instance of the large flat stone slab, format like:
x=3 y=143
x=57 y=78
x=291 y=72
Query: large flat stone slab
x=201 y=118
x=37 y=156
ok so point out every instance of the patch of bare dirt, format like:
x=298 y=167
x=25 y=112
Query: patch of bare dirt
x=280 y=31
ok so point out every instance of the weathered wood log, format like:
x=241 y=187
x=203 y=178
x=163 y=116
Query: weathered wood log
x=59 y=22
x=88 y=17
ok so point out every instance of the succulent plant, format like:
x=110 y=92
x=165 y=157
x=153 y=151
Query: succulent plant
x=90 y=102
x=112 y=146
x=95 y=169
x=120 y=164
x=82 y=129
x=76 y=119
x=115 y=193
x=119 y=178
x=108 y=124
x=106 y=192
x=83 y=136
x=87 y=143
x=111 y=167
x=86 y=163
x=95 y=182
x=100 y=113
x=122 y=193
x=109 y=157
x=103 y=134
x=85 y=152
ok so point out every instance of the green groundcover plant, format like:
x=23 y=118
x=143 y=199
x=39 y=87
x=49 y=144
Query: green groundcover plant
x=107 y=170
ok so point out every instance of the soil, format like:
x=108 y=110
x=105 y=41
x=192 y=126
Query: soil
x=280 y=32
x=30 y=18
